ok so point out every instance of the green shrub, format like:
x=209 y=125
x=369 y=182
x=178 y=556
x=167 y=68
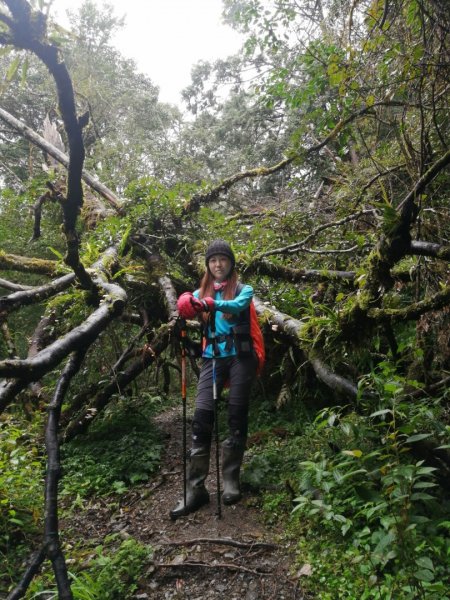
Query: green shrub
x=369 y=517
x=21 y=481
x=122 y=448
x=113 y=573
x=21 y=496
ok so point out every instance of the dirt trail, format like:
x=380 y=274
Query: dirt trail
x=198 y=557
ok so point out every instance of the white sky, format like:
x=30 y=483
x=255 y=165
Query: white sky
x=167 y=37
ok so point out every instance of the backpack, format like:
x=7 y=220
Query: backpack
x=247 y=335
x=256 y=337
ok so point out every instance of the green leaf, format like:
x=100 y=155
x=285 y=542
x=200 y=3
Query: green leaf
x=421 y=496
x=379 y=413
x=384 y=542
x=426 y=470
x=417 y=437
x=425 y=563
x=12 y=70
x=424 y=575
x=56 y=252
x=421 y=485
x=356 y=453
x=340 y=518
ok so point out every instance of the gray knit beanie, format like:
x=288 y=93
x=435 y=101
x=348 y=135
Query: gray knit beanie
x=220 y=247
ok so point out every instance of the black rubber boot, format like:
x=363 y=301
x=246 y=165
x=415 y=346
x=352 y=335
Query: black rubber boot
x=232 y=454
x=196 y=493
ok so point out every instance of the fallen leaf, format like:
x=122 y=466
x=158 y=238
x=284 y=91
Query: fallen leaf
x=305 y=571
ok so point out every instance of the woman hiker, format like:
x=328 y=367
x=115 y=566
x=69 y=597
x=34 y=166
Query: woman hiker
x=219 y=297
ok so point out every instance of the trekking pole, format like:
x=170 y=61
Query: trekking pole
x=212 y=324
x=183 y=400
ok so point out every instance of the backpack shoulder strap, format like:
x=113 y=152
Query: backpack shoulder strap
x=244 y=316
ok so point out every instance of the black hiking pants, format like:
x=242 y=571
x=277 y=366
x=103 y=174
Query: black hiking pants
x=240 y=374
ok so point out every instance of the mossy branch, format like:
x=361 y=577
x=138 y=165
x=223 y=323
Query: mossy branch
x=25 y=264
x=413 y=311
x=293 y=329
x=264 y=267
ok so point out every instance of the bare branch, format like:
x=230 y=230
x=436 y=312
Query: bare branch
x=170 y=296
x=421 y=248
x=216 y=565
x=14 y=287
x=393 y=247
x=291 y=248
x=120 y=378
x=120 y=381
x=53 y=474
x=333 y=380
x=28 y=32
x=36 y=294
x=62 y=158
x=51 y=547
x=32 y=569
x=223 y=542
x=406 y=206
x=33 y=368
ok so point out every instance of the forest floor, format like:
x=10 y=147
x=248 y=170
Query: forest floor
x=198 y=557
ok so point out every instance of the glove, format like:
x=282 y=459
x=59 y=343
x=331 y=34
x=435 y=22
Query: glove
x=198 y=305
x=185 y=306
x=209 y=303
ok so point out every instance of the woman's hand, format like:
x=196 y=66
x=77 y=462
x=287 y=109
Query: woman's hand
x=209 y=303
x=189 y=306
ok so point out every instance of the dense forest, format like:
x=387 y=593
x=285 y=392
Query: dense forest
x=320 y=152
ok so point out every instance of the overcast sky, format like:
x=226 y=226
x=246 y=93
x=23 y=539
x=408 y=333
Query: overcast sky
x=167 y=37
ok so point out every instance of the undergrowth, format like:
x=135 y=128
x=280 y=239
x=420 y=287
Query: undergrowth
x=111 y=571
x=121 y=449
x=21 y=494
x=368 y=517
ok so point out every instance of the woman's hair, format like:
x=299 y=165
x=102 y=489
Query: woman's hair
x=207 y=289
x=207 y=286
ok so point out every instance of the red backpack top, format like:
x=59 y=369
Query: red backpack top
x=257 y=339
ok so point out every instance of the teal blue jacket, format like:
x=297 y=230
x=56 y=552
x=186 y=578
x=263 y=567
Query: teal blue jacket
x=223 y=326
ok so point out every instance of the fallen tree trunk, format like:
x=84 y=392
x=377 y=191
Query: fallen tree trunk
x=293 y=329
x=421 y=248
x=32 y=369
x=120 y=379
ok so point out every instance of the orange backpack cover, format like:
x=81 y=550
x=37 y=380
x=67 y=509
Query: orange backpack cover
x=257 y=339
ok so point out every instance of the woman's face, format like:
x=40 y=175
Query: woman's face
x=220 y=266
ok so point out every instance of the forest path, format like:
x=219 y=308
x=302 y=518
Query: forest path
x=199 y=557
